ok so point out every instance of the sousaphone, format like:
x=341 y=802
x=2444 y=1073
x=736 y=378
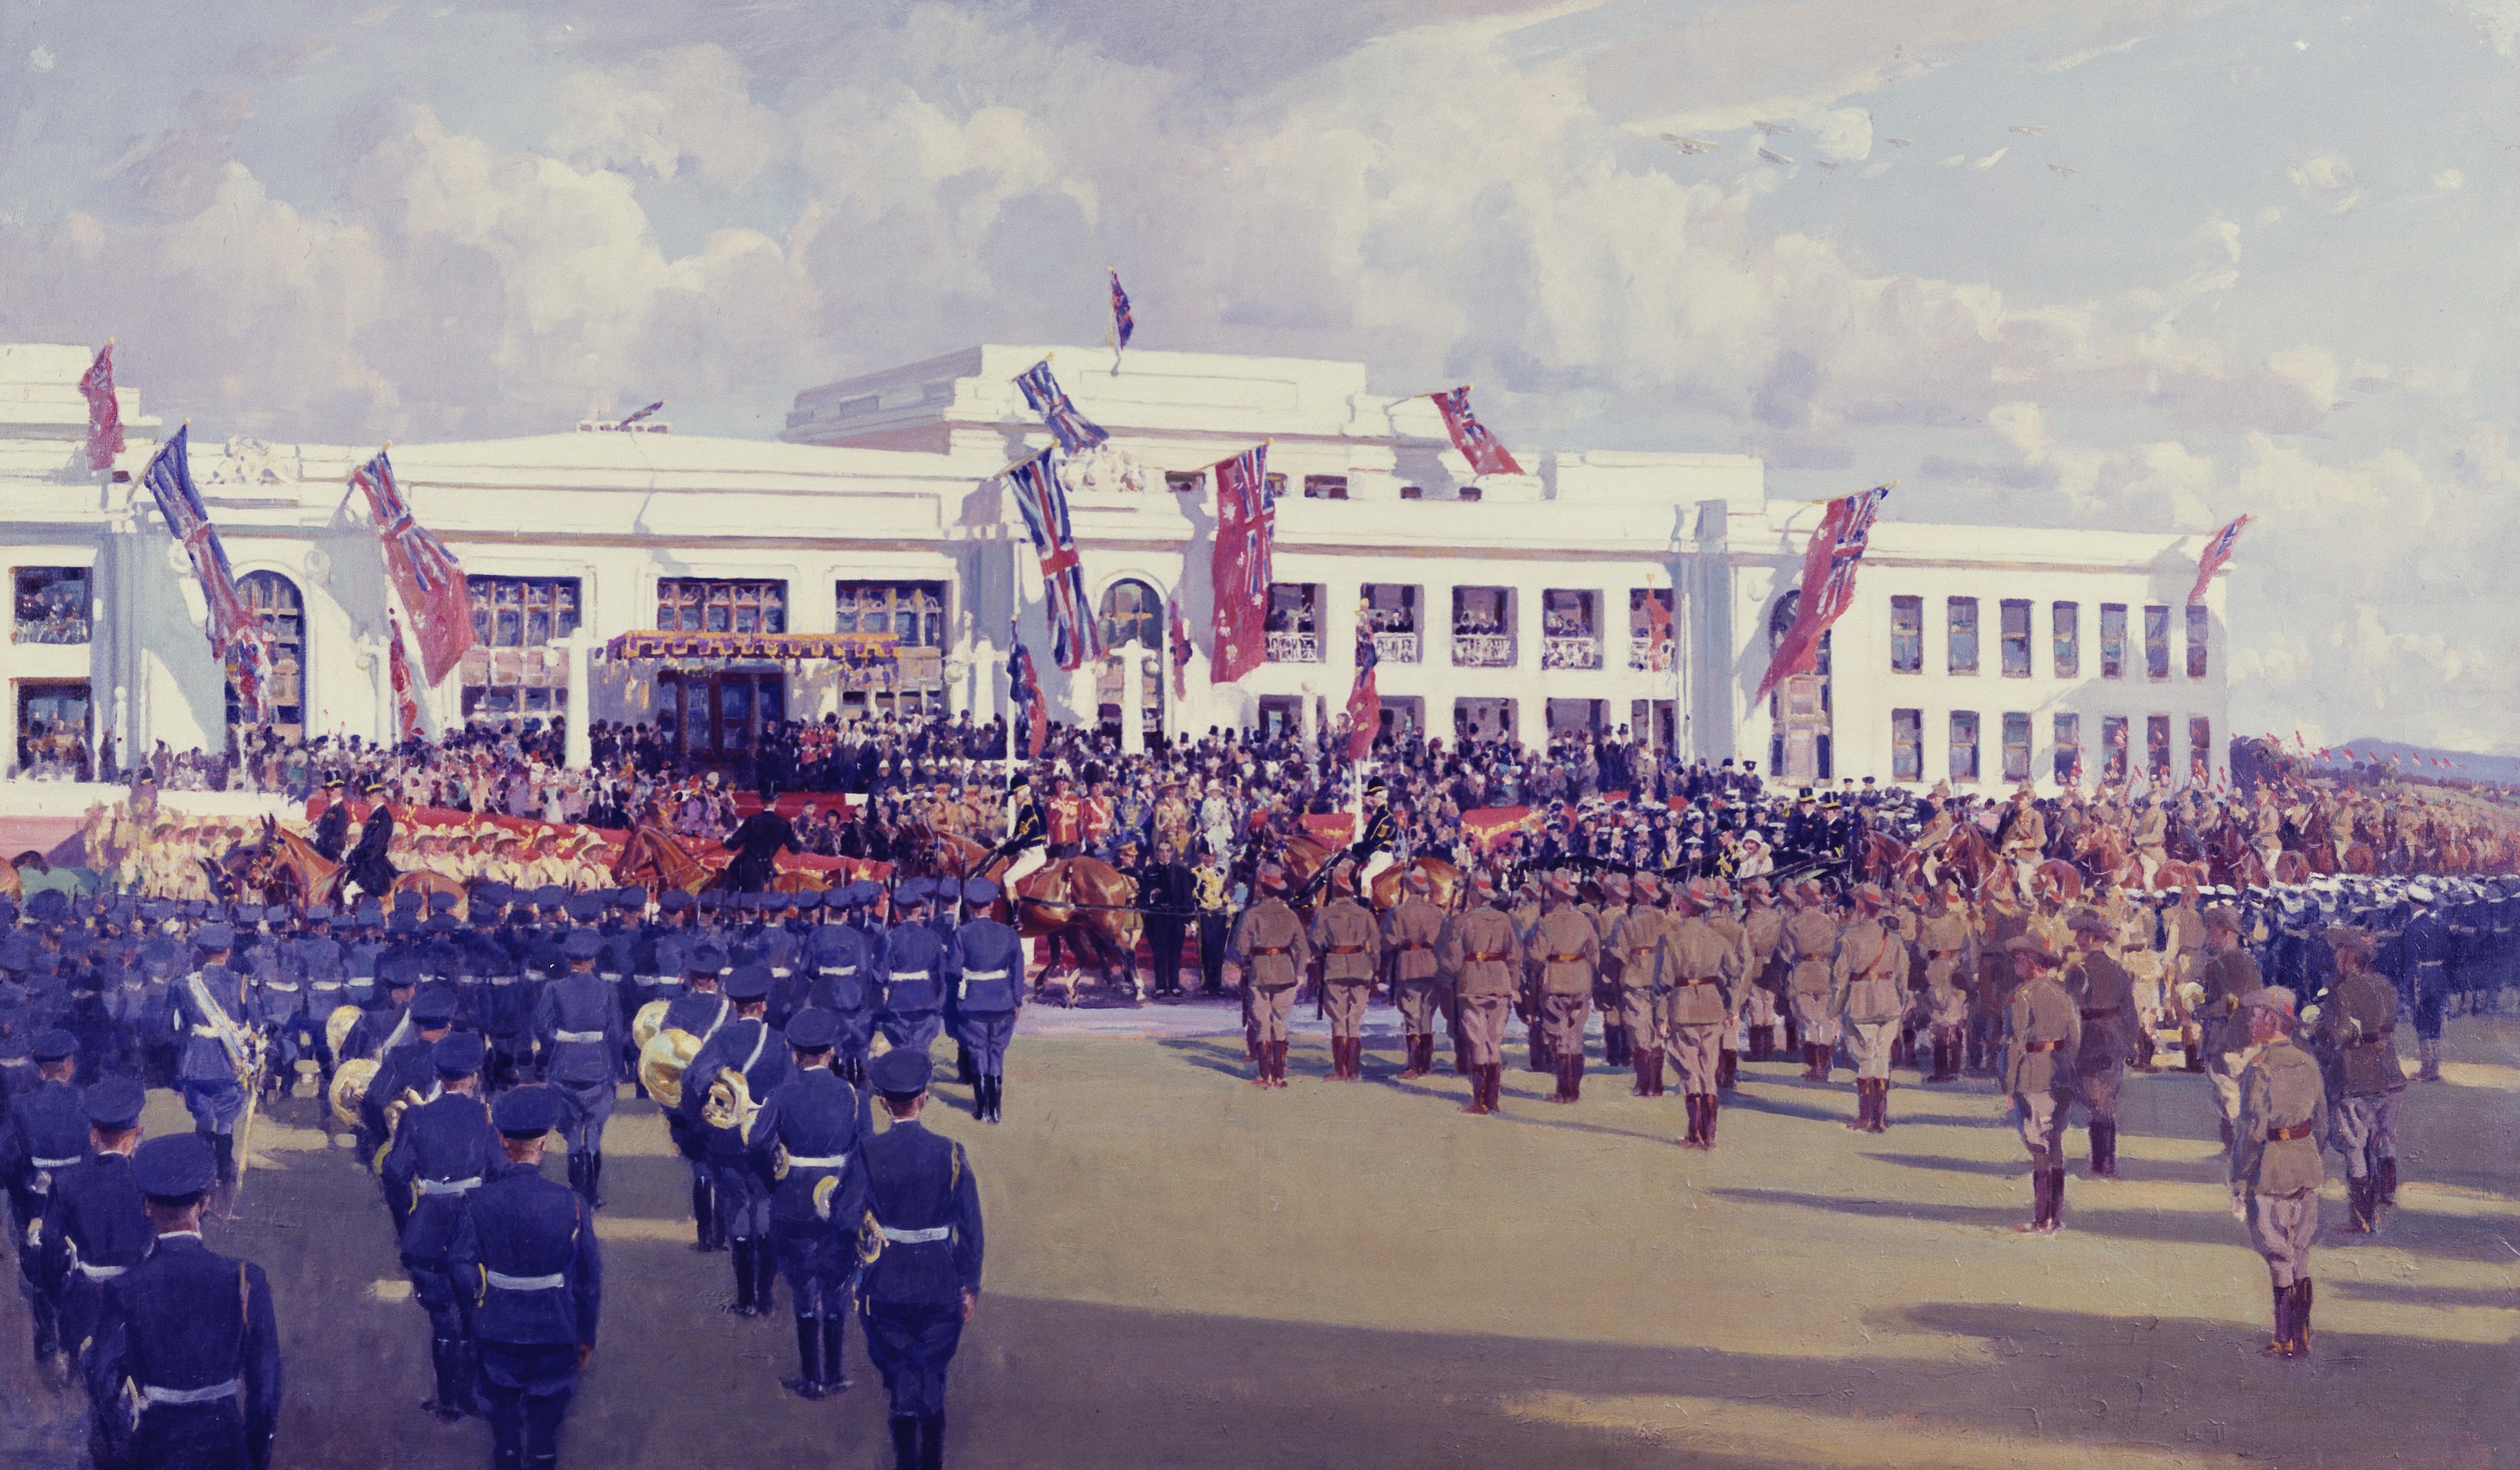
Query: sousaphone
x=350 y=1087
x=662 y=1060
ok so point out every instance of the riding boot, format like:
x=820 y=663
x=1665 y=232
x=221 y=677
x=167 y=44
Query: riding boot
x=1540 y=1061
x=1861 y=1121
x=905 y=1442
x=2301 y=1295
x=742 y=1305
x=765 y=1277
x=2105 y=1148
x=2280 y=1344
x=1643 y=1087
x=1696 y=1123
x=1881 y=1104
x=2056 y=1197
x=2389 y=1182
x=224 y=1145
x=700 y=1214
x=931 y=1442
x=2358 y=1206
x=1713 y=1103
x=835 y=1363
x=1793 y=1030
x=1575 y=1077
x=595 y=1182
x=808 y=1381
x=2037 y=1199
x=1281 y=1063
x=1495 y=1072
x=1727 y=1069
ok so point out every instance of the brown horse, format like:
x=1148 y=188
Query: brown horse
x=1303 y=856
x=289 y=870
x=1080 y=905
x=652 y=856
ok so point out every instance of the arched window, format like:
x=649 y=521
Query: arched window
x=1132 y=609
x=282 y=613
x=1799 y=717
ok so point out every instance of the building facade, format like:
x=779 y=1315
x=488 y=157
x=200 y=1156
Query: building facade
x=873 y=560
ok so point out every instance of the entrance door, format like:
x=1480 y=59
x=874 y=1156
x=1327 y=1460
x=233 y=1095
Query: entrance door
x=53 y=730
x=718 y=716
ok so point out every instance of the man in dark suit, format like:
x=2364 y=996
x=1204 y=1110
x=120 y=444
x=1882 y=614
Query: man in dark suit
x=1168 y=897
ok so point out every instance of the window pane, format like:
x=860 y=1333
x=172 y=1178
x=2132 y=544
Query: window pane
x=2156 y=746
x=2156 y=642
x=1963 y=745
x=1906 y=634
x=2200 y=749
x=2069 y=748
x=2113 y=748
x=1962 y=613
x=2016 y=747
x=2113 y=640
x=2200 y=623
x=1906 y=744
x=2016 y=639
x=2068 y=619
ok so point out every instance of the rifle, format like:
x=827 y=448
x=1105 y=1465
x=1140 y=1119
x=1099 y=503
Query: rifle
x=248 y=1076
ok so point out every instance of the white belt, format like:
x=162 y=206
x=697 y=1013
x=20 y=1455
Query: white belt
x=781 y=970
x=209 y=1033
x=929 y=1236
x=984 y=975
x=99 y=1272
x=274 y=985
x=53 y=1163
x=502 y=979
x=553 y=1282
x=450 y=1186
x=328 y=985
x=825 y=1161
x=899 y=976
x=157 y=1398
x=590 y=1036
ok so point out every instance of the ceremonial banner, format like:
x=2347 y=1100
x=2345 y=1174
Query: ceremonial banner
x=235 y=636
x=425 y=572
x=1239 y=566
x=1073 y=637
x=1074 y=432
x=103 y=410
x=1471 y=436
x=2217 y=555
x=1828 y=582
x=1023 y=687
x=1365 y=700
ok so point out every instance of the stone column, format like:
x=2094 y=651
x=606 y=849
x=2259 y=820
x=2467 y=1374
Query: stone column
x=1133 y=698
x=578 y=744
x=378 y=664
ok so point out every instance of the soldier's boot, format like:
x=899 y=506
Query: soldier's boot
x=48 y=1331
x=1614 y=1049
x=2389 y=1182
x=1696 y=1123
x=1479 y=1099
x=2226 y=1134
x=2037 y=1197
x=743 y=1304
x=1714 y=1105
x=1540 y=1061
x=1281 y=1063
x=2105 y=1148
x=1649 y=1072
x=1881 y=1104
x=905 y=1442
x=2359 y=1207
x=808 y=1381
x=1495 y=1088
x=224 y=1146
x=2280 y=1344
x=765 y=1276
x=2301 y=1318
x=931 y=1442
x=595 y=1182
x=1861 y=1121
x=2056 y=1197
x=836 y=1377
x=2428 y=1049
x=1727 y=1070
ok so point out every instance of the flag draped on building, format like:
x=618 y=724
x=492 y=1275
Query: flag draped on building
x=1364 y=697
x=2217 y=555
x=1123 y=323
x=234 y=634
x=424 y=572
x=1181 y=647
x=1074 y=638
x=406 y=698
x=1238 y=568
x=1023 y=687
x=1074 y=432
x=103 y=410
x=1828 y=582
x=1471 y=436
x=1658 y=649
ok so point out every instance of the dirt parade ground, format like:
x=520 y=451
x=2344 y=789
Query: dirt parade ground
x=1186 y=1270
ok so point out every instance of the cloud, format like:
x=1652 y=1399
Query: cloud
x=2327 y=181
x=688 y=106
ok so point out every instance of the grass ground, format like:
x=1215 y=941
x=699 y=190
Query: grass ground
x=1184 y=1270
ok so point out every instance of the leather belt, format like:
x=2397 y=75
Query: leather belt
x=1699 y=979
x=1484 y=957
x=160 y=1398
x=2042 y=1045
x=1344 y=949
x=449 y=1186
x=1566 y=959
x=929 y=1236
x=2102 y=1014
x=2298 y=1130
x=1411 y=948
x=553 y=1282
x=1279 y=949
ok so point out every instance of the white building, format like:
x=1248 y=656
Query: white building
x=1511 y=603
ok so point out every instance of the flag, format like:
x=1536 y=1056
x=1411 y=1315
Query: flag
x=1658 y=629
x=1074 y=638
x=1471 y=436
x=2298 y=743
x=641 y=415
x=1238 y=566
x=1365 y=698
x=2218 y=553
x=1828 y=582
x=1181 y=648
x=103 y=410
x=1074 y=432
x=406 y=699
x=233 y=632
x=2322 y=753
x=1122 y=323
x=1023 y=687
x=424 y=572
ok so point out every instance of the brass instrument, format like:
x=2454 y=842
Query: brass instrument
x=730 y=1104
x=661 y=1061
x=351 y=1085
x=649 y=1021
x=337 y=1027
x=826 y=1189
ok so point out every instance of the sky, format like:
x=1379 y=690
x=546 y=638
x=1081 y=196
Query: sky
x=2120 y=263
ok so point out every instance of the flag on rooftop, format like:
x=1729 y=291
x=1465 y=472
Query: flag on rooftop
x=1471 y=436
x=1074 y=432
x=1123 y=323
x=103 y=410
x=2217 y=555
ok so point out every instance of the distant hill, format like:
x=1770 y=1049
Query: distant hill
x=2416 y=759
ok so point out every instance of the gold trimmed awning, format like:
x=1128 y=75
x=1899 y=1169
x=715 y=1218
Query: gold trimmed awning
x=856 y=650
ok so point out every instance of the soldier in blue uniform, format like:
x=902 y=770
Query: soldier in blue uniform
x=524 y=1256
x=923 y=1232
x=2422 y=970
x=95 y=1225
x=748 y=1044
x=44 y=1132
x=698 y=1012
x=987 y=964
x=188 y=1334
x=219 y=1056
x=914 y=974
x=803 y=1141
x=333 y=828
x=578 y=1023
x=841 y=964
x=371 y=865
x=408 y=1066
x=442 y=1151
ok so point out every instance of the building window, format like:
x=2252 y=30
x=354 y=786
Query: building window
x=1962 y=615
x=2113 y=640
x=1483 y=628
x=52 y=604
x=2156 y=642
x=2200 y=623
x=1276 y=485
x=1186 y=481
x=1391 y=612
x=913 y=613
x=281 y=613
x=2015 y=629
x=1569 y=632
x=1412 y=493
x=507 y=670
x=1131 y=613
x=53 y=736
x=2067 y=618
x=720 y=605
x=2200 y=749
x=1468 y=494
x=1294 y=623
x=1325 y=487
x=1652 y=630
x=2156 y=746
x=2017 y=745
x=2113 y=748
x=1906 y=744
x=2069 y=750
x=1964 y=744
x=1906 y=634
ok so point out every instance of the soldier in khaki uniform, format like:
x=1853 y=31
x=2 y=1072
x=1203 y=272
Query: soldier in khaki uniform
x=1942 y=943
x=1869 y=991
x=2103 y=994
x=1719 y=915
x=2043 y=1032
x=2001 y=921
x=1617 y=1048
x=1763 y=927
x=1410 y=932
x=1697 y=975
x=1631 y=965
x=1525 y=913
x=1563 y=959
x=1349 y=942
x=1810 y=949
x=2230 y=977
x=2359 y=1023
x=2183 y=949
x=1482 y=959
x=2275 y=1168
x=1269 y=945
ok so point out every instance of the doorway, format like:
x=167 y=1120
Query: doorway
x=719 y=716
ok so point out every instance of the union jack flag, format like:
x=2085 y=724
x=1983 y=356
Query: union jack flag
x=1074 y=432
x=234 y=633
x=1074 y=638
x=424 y=572
x=1828 y=582
x=1024 y=684
x=1122 y=323
x=1471 y=436
x=103 y=410
x=2218 y=554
